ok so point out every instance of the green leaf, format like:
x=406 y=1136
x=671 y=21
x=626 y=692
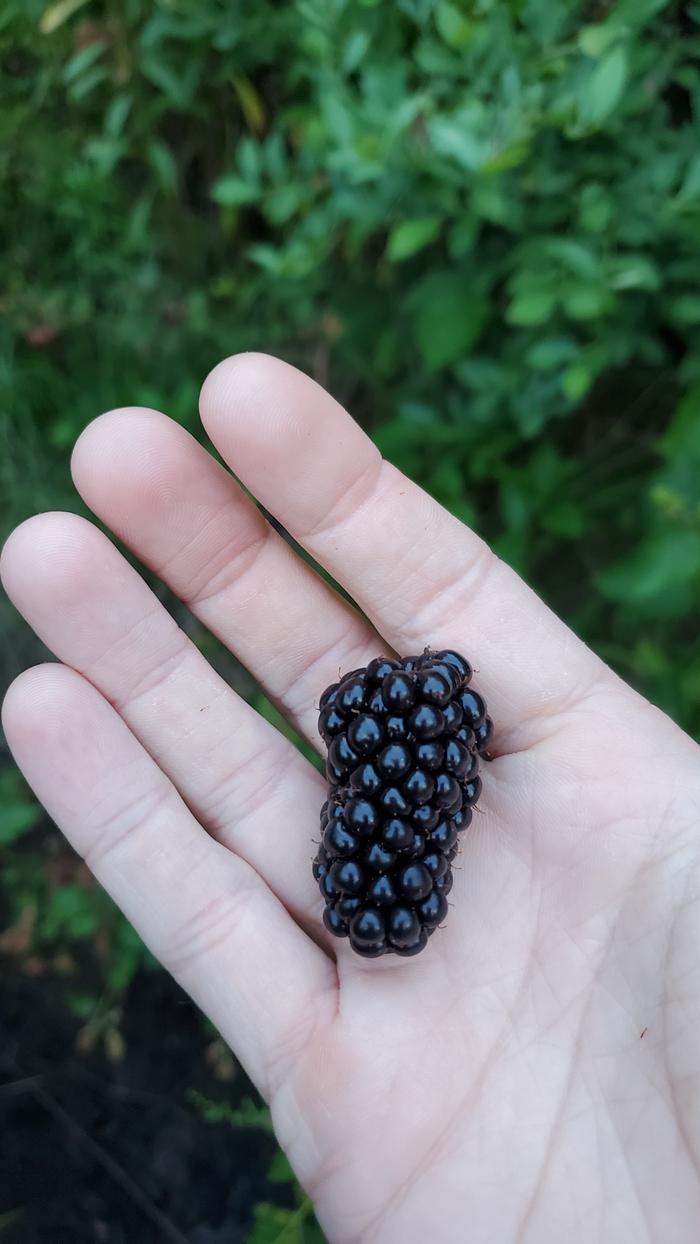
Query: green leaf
x=178 y=87
x=127 y=955
x=595 y=208
x=282 y=203
x=461 y=137
x=454 y=28
x=637 y=12
x=576 y=381
x=82 y=60
x=597 y=38
x=691 y=184
x=565 y=519
x=510 y=156
x=249 y=157
x=16 y=819
x=274 y=1225
x=86 y=83
x=232 y=191
x=354 y=50
x=462 y=236
x=449 y=318
x=116 y=115
x=280 y=1171
x=248 y=1115
x=586 y=302
x=633 y=272
x=18 y=811
x=531 y=308
x=83 y=1005
x=56 y=14
x=550 y=353
x=163 y=164
x=682 y=436
x=603 y=91
x=578 y=257
x=663 y=562
x=686 y=309
x=251 y=104
x=410 y=236
x=71 y=912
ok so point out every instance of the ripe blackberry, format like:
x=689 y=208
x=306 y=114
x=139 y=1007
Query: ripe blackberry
x=405 y=740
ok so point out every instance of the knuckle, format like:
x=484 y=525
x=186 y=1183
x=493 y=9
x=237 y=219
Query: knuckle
x=210 y=927
x=122 y=823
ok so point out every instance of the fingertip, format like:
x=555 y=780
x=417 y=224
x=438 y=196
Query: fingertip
x=51 y=570
x=112 y=435
x=288 y=440
x=257 y=399
x=33 y=702
x=38 y=546
x=150 y=481
x=237 y=379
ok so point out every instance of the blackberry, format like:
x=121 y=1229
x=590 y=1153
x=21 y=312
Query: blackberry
x=405 y=740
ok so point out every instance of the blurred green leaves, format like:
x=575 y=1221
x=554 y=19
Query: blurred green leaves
x=19 y=812
x=478 y=222
x=448 y=317
x=453 y=25
x=273 y=1224
x=410 y=236
x=602 y=91
x=661 y=575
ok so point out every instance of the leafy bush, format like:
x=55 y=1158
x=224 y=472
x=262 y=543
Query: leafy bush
x=477 y=221
x=273 y=1224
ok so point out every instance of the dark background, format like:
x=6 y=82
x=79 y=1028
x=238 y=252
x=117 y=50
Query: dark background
x=478 y=222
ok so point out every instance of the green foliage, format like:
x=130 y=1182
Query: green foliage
x=61 y=907
x=18 y=810
x=248 y=1114
x=479 y=220
x=274 y=1224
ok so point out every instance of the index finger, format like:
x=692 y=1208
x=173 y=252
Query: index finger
x=421 y=576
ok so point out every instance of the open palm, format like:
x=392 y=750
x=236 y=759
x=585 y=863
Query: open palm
x=534 y=1074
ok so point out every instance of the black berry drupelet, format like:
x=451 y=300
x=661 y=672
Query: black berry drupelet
x=405 y=740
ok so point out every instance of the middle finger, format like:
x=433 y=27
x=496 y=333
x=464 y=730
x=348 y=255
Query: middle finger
x=188 y=520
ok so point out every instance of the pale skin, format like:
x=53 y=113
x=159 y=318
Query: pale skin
x=534 y=1075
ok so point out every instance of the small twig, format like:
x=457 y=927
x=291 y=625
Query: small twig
x=113 y=1169
x=19 y=1086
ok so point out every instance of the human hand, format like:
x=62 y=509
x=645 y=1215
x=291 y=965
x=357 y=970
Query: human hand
x=533 y=1075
